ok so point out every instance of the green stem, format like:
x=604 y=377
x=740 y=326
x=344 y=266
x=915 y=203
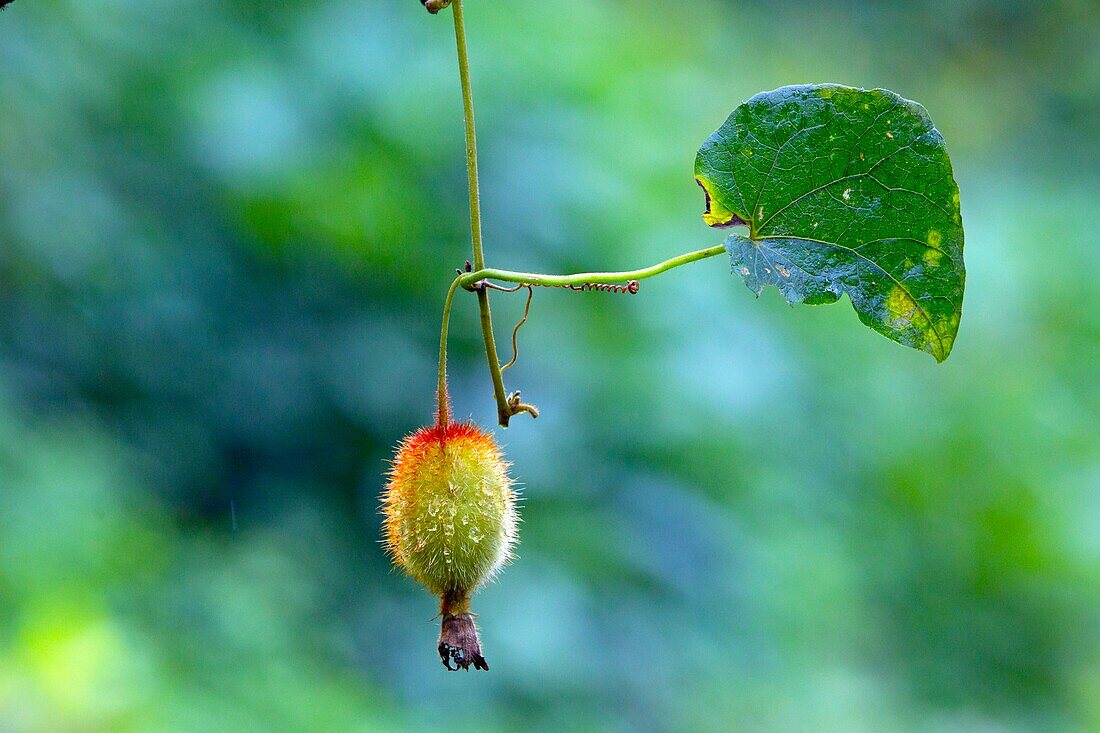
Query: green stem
x=470 y=279
x=507 y=407
x=444 y=406
x=499 y=393
x=474 y=280
x=471 y=135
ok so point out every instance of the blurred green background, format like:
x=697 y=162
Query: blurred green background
x=226 y=230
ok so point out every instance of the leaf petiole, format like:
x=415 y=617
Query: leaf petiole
x=478 y=282
x=470 y=280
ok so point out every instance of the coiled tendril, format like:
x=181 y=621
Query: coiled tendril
x=630 y=287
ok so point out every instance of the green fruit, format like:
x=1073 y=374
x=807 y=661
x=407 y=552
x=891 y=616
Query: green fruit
x=450 y=523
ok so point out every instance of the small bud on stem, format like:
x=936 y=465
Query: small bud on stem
x=434 y=6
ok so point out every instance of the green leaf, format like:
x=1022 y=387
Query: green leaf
x=843 y=190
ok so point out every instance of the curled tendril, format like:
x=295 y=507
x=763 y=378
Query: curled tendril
x=630 y=287
x=515 y=331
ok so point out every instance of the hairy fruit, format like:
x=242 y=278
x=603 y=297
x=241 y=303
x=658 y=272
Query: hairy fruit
x=450 y=523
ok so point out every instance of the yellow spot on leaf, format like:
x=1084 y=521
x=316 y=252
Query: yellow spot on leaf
x=904 y=314
x=716 y=214
x=933 y=256
x=945 y=328
x=900 y=307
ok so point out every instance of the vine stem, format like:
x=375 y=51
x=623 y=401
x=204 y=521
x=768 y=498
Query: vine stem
x=443 y=414
x=508 y=406
x=504 y=411
x=471 y=135
x=469 y=280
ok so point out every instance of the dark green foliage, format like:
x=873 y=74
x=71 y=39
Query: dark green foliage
x=844 y=191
